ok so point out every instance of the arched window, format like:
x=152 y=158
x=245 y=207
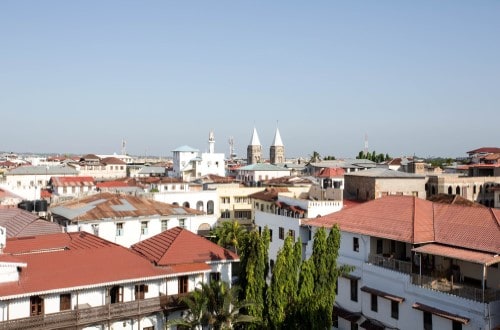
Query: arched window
x=210 y=207
x=175 y=203
x=457 y=190
x=199 y=206
x=474 y=190
x=185 y=204
x=433 y=190
x=450 y=190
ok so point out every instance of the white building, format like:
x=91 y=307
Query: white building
x=284 y=214
x=417 y=265
x=254 y=174
x=189 y=164
x=126 y=219
x=85 y=282
x=109 y=168
x=27 y=181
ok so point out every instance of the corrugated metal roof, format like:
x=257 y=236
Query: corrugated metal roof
x=43 y=170
x=107 y=205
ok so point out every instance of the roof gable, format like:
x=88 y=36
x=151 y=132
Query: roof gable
x=180 y=246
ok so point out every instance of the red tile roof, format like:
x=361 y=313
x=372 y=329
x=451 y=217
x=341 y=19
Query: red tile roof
x=180 y=246
x=86 y=261
x=456 y=253
x=269 y=194
x=112 y=161
x=413 y=220
x=331 y=172
x=484 y=150
x=112 y=184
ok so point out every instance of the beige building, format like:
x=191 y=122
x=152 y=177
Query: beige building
x=378 y=182
x=474 y=188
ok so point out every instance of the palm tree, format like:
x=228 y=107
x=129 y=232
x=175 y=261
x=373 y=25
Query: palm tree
x=315 y=157
x=230 y=235
x=214 y=306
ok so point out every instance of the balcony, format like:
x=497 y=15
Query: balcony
x=96 y=315
x=436 y=279
x=402 y=266
x=457 y=289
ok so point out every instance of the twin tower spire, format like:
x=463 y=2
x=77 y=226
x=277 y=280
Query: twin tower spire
x=276 y=151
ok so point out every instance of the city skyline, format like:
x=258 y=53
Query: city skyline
x=418 y=78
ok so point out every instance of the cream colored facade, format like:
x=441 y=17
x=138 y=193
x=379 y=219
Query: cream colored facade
x=476 y=188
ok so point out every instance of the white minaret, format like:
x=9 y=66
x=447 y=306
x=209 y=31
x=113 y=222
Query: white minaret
x=211 y=142
x=254 y=149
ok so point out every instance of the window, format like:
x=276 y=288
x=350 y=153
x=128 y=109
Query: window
x=291 y=233
x=456 y=325
x=270 y=235
x=225 y=214
x=144 y=227
x=183 y=284
x=380 y=246
x=355 y=244
x=224 y=200
x=164 y=225
x=354 y=326
x=65 y=302
x=394 y=310
x=427 y=321
x=36 y=303
x=354 y=290
x=210 y=207
x=116 y=294
x=214 y=276
x=140 y=291
x=374 y=302
x=182 y=223
x=243 y=214
x=281 y=233
x=119 y=229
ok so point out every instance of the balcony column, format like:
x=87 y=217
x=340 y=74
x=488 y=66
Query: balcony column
x=484 y=279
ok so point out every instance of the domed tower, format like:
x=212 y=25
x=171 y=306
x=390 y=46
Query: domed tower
x=277 y=150
x=254 y=149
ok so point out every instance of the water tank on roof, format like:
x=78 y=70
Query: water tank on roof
x=26 y=205
x=41 y=205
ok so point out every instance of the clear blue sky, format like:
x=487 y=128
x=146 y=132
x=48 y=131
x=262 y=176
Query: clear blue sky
x=418 y=77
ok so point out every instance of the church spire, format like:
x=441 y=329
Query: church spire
x=277 y=139
x=255 y=138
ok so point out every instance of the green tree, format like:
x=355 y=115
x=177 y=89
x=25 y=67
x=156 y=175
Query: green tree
x=230 y=235
x=315 y=157
x=214 y=305
x=254 y=267
x=282 y=293
x=196 y=316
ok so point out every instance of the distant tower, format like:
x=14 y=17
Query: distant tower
x=211 y=142
x=277 y=150
x=124 y=147
x=231 y=148
x=254 y=149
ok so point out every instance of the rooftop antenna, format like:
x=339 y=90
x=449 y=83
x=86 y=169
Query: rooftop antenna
x=366 y=144
x=124 y=147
